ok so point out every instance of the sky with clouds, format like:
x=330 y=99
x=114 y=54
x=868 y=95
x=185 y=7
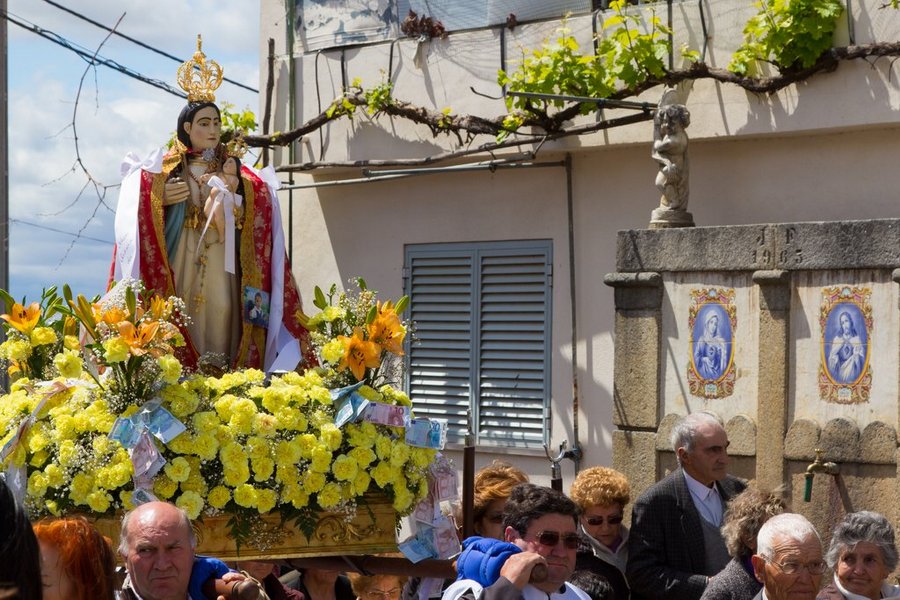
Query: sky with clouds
x=115 y=115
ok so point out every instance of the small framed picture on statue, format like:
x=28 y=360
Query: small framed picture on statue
x=256 y=306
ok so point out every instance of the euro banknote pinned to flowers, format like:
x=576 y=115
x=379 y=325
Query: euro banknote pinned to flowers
x=126 y=423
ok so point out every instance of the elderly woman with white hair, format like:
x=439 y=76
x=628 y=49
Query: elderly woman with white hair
x=862 y=555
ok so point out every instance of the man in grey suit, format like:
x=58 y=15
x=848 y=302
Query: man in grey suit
x=675 y=545
x=788 y=560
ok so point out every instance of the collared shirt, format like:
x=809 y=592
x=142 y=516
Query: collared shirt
x=129 y=591
x=707 y=500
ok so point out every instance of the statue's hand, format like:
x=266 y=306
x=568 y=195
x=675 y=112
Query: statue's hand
x=177 y=190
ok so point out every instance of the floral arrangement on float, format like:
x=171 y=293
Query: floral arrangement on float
x=101 y=416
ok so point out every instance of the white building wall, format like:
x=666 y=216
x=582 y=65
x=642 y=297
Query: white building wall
x=821 y=150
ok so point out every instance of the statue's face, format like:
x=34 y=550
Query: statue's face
x=205 y=129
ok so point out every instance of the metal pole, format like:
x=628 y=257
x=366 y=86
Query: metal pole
x=4 y=168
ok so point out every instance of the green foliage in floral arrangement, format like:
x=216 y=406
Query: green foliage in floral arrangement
x=357 y=338
x=626 y=56
x=790 y=34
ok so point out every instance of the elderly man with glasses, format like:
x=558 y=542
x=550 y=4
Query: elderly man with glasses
x=541 y=528
x=788 y=560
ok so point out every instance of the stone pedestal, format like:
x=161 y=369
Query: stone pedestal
x=666 y=218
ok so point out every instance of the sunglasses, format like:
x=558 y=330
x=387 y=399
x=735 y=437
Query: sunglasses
x=594 y=521
x=551 y=539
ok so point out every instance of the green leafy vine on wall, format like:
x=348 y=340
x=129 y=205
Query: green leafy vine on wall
x=787 y=33
x=630 y=57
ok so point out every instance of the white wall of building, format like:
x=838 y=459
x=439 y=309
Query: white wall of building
x=821 y=150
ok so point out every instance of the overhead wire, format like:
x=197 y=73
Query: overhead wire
x=138 y=42
x=91 y=57
x=80 y=236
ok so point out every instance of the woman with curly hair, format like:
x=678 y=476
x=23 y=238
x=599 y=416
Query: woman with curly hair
x=601 y=494
x=77 y=561
x=493 y=485
x=743 y=519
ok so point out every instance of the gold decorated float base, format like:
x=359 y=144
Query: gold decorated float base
x=370 y=531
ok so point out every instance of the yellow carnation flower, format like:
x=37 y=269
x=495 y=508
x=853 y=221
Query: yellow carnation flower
x=245 y=495
x=219 y=496
x=331 y=436
x=262 y=468
x=37 y=484
x=15 y=350
x=178 y=469
x=191 y=503
x=99 y=501
x=41 y=336
x=321 y=459
x=344 y=468
x=68 y=363
x=170 y=368
x=164 y=487
x=330 y=496
x=115 y=350
x=265 y=500
x=313 y=482
x=70 y=342
x=206 y=446
x=382 y=474
x=264 y=424
x=333 y=351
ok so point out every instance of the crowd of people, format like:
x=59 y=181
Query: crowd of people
x=698 y=533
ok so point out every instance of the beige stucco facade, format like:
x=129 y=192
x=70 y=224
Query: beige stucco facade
x=822 y=150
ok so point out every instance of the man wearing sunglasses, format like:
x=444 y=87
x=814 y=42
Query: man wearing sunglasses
x=675 y=545
x=788 y=560
x=542 y=524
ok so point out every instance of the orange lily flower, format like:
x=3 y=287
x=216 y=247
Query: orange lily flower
x=111 y=316
x=23 y=319
x=359 y=354
x=387 y=330
x=138 y=337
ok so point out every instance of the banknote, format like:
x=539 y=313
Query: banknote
x=447 y=484
x=142 y=495
x=125 y=432
x=445 y=538
x=145 y=457
x=349 y=408
x=164 y=425
x=339 y=393
x=427 y=433
x=426 y=510
x=415 y=550
x=386 y=414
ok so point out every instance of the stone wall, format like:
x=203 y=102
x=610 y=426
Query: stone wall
x=784 y=290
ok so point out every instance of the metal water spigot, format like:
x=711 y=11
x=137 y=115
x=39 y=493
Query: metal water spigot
x=573 y=454
x=818 y=466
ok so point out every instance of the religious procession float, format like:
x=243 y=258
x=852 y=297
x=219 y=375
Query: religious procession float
x=197 y=378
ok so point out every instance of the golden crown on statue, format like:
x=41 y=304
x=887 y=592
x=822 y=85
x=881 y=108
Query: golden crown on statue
x=237 y=147
x=200 y=78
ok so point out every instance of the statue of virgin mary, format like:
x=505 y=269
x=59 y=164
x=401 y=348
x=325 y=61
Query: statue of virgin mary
x=164 y=238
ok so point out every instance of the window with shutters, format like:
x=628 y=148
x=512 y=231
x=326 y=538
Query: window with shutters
x=480 y=347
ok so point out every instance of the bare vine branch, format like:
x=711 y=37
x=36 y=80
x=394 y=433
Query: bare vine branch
x=100 y=188
x=550 y=126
